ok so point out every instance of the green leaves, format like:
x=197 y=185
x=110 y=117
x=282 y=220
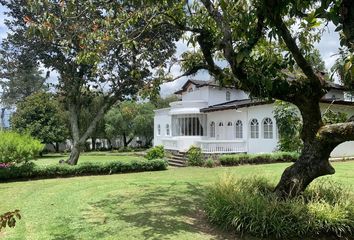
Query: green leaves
x=9 y=219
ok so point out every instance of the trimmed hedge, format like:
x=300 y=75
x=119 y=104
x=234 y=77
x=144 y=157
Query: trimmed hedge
x=239 y=159
x=31 y=170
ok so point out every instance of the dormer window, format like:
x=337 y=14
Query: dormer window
x=228 y=96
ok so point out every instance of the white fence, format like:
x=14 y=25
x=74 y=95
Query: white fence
x=222 y=146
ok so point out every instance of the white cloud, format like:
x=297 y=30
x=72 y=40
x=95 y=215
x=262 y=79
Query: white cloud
x=329 y=45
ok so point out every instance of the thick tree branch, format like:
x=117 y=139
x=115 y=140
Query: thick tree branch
x=294 y=49
x=335 y=134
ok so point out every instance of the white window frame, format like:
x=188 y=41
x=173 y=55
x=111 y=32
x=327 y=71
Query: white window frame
x=254 y=128
x=267 y=124
x=168 y=132
x=212 y=129
x=238 y=129
x=228 y=96
x=158 y=130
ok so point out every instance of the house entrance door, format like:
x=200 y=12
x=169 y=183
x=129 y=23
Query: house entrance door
x=229 y=133
x=220 y=131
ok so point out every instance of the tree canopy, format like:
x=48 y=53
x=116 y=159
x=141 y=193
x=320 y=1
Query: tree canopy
x=131 y=119
x=40 y=115
x=265 y=43
x=106 y=46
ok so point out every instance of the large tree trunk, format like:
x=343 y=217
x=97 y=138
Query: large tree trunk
x=57 y=147
x=319 y=141
x=93 y=140
x=74 y=154
x=79 y=141
x=313 y=163
x=126 y=141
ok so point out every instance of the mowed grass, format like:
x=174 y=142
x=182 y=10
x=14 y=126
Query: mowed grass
x=149 y=205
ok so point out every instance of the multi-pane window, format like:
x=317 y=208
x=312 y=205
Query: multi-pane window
x=189 y=125
x=268 y=128
x=229 y=124
x=212 y=129
x=228 y=96
x=238 y=128
x=254 y=128
x=221 y=124
x=167 y=129
x=159 y=130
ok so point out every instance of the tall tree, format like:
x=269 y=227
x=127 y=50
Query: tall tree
x=264 y=42
x=40 y=116
x=19 y=74
x=109 y=46
x=130 y=119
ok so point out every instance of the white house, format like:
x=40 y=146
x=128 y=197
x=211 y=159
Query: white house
x=226 y=120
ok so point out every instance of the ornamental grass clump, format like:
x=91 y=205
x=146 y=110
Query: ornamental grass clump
x=17 y=148
x=249 y=206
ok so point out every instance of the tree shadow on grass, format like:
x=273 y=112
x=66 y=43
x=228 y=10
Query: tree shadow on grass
x=150 y=212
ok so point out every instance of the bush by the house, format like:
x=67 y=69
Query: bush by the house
x=239 y=159
x=250 y=206
x=31 y=170
x=16 y=148
x=195 y=156
x=155 y=152
x=209 y=163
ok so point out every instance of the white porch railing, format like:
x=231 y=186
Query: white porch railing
x=223 y=146
x=171 y=144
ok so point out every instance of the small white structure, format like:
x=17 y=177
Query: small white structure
x=226 y=120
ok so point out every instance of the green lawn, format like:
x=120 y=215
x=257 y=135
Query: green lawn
x=148 y=205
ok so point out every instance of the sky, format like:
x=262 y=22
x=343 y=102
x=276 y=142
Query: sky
x=328 y=46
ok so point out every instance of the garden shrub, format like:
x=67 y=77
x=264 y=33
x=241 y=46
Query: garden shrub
x=239 y=159
x=17 y=148
x=209 y=163
x=249 y=206
x=31 y=170
x=195 y=156
x=156 y=152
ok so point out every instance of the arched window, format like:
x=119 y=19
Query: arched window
x=268 y=128
x=229 y=124
x=221 y=124
x=158 y=130
x=254 y=128
x=167 y=129
x=212 y=129
x=238 y=128
x=228 y=96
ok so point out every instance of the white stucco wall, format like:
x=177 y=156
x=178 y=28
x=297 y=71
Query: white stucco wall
x=345 y=149
x=334 y=93
x=196 y=93
x=245 y=115
x=218 y=95
x=212 y=94
x=161 y=118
